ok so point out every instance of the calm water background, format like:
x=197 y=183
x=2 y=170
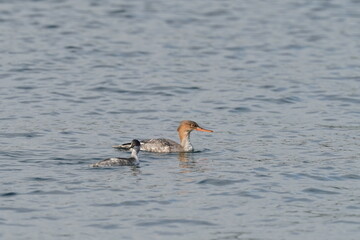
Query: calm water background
x=278 y=82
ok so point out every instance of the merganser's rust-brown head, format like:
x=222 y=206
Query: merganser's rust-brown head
x=184 y=131
x=187 y=126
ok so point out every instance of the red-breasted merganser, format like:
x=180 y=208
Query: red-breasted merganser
x=166 y=145
x=132 y=161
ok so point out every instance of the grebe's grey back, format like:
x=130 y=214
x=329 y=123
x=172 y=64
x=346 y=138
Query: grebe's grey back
x=132 y=161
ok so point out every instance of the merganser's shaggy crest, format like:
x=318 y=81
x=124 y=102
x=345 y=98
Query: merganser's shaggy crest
x=132 y=161
x=166 y=145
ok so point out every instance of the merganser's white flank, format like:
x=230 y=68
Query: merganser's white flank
x=166 y=145
x=132 y=161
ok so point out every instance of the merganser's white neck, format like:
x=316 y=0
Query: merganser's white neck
x=185 y=141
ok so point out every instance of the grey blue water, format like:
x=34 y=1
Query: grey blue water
x=277 y=81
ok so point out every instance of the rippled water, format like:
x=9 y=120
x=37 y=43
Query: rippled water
x=278 y=82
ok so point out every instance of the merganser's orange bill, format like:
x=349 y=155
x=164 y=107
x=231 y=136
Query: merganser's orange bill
x=203 y=130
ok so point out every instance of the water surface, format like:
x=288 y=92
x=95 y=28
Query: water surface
x=277 y=81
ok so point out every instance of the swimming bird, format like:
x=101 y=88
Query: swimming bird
x=164 y=145
x=132 y=161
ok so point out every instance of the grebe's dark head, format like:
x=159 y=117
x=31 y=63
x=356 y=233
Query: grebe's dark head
x=135 y=143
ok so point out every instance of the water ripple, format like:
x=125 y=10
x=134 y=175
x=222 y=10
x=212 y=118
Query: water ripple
x=41 y=179
x=218 y=182
x=53 y=192
x=18 y=209
x=174 y=222
x=131 y=203
x=8 y=194
x=294 y=199
x=319 y=191
x=25 y=134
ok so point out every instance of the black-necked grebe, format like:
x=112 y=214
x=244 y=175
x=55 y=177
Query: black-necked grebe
x=132 y=161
